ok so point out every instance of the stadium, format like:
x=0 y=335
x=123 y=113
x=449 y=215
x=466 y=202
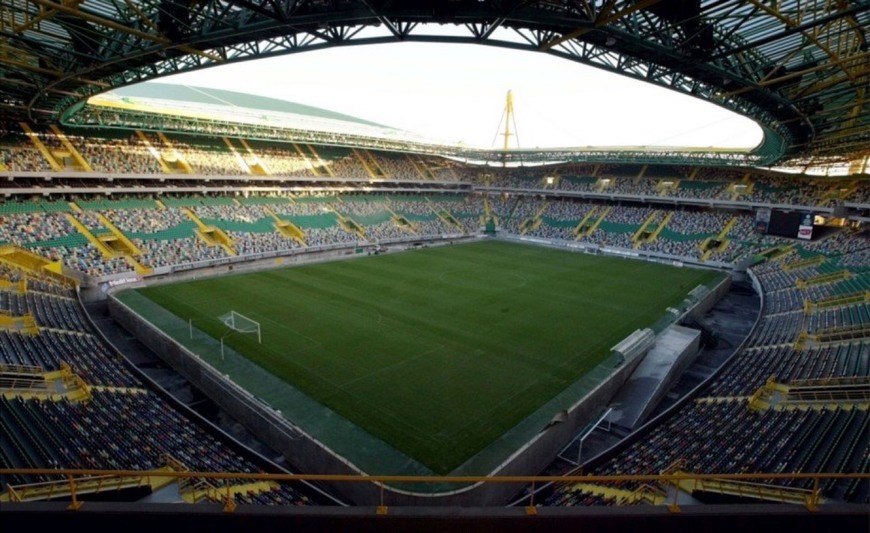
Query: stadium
x=223 y=310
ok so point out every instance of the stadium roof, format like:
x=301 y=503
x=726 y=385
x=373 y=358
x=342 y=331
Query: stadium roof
x=801 y=69
x=152 y=95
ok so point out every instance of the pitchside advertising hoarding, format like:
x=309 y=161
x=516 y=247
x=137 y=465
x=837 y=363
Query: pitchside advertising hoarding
x=791 y=224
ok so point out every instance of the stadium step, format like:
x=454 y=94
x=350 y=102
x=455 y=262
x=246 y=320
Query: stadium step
x=153 y=151
x=749 y=490
x=60 y=490
x=645 y=493
x=243 y=162
x=107 y=252
x=25 y=324
x=37 y=142
x=34 y=382
x=370 y=164
x=81 y=163
x=581 y=228
x=210 y=235
x=17 y=287
x=256 y=165
x=21 y=259
x=286 y=228
x=127 y=244
x=837 y=301
x=206 y=490
x=849 y=392
x=400 y=221
x=176 y=159
x=719 y=243
x=420 y=168
x=804 y=263
x=823 y=279
x=445 y=215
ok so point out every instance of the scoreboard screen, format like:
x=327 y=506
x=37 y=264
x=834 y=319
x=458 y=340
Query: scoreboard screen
x=791 y=224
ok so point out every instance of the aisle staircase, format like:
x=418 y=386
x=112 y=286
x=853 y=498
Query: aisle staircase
x=286 y=228
x=210 y=235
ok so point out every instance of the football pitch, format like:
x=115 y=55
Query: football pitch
x=436 y=351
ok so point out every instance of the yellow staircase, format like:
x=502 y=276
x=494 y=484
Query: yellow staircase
x=581 y=228
x=420 y=168
x=751 y=490
x=720 y=243
x=29 y=262
x=243 y=163
x=287 y=229
x=256 y=165
x=175 y=159
x=603 y=183
x=839 y=300
x=77 y=157
x=350 y=225
x=370 y=164
x=847 y=392
x=43 y=149
x=402 y=222
x=446 y=216
x=106 y=252
x=17 y=381
x=644 y=235
x=210 y=235
x=62 y=489
x=667 y=186
x=823 y=279
x=804 y=263
x=25 y=323
x=646 y=493
x=319 y=163
x=154 y=152
x=599 y=216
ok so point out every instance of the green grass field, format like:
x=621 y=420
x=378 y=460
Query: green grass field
x=437 y=351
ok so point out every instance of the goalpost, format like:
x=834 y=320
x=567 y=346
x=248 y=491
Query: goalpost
x=240 y=323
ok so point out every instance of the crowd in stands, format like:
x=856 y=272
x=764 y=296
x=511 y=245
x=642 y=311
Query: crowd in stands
x=125 y=156
x=719 y=433
x=209 y=155
x=122 y=426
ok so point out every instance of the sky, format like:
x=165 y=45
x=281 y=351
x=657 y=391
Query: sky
x=455 y=93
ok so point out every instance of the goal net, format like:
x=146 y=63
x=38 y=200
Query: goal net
x=239 y=322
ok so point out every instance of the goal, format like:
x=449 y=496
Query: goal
x=240 y=323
